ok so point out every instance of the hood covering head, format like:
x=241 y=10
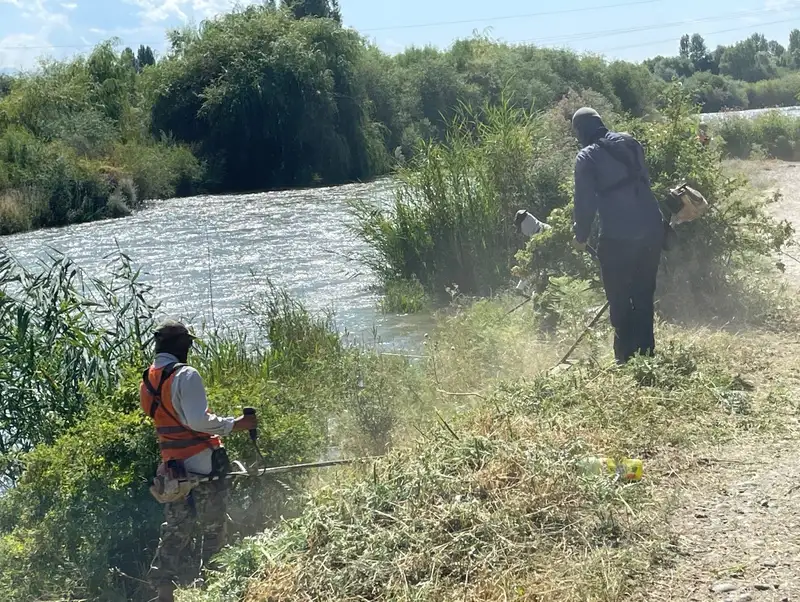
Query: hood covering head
x=588 y=126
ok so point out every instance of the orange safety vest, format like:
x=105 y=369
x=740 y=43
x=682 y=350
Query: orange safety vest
x=177 y=441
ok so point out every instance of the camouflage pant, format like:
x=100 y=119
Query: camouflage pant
x=201 y=520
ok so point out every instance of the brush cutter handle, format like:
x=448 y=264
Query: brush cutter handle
x=251 y=412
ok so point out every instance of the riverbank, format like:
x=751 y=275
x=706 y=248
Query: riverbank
x=479 y=505
x=492 y=499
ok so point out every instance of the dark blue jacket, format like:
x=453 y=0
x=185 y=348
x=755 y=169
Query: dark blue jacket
x=627 y=206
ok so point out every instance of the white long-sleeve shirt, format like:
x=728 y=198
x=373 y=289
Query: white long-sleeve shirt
x=191 y=405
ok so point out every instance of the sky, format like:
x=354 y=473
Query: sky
x=626 y=29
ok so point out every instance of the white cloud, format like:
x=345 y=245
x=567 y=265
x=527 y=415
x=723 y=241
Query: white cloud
x=154 y=11
x=779 y=5
x=69 y=5
x=16 y=51
x=21 y=50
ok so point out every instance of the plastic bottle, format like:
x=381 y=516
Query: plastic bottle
x=627 y=469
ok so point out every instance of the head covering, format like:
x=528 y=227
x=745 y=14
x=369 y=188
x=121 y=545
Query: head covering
x=170 y=330
x=588 y=125
x=174 y=338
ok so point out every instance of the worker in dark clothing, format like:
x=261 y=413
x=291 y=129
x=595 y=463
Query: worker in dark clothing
x=611 y=179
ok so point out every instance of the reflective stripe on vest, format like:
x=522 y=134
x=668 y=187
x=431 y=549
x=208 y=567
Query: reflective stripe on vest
x=176 y=441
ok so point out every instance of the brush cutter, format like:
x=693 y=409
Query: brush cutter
x=168 y=488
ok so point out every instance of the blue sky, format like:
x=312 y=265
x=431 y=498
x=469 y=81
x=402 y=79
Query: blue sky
x=633 y=29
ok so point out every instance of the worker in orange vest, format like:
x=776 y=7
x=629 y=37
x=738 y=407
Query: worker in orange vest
x=173 y=395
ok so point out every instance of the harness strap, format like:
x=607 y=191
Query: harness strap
x=168 y=371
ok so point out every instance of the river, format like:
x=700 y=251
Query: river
x=225 y=248
x=789 y=111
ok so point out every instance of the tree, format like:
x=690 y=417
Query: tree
x=634 y=85
x=128 y=60
x=749 y=60
x=270 y=101
x=794 y=49
x=717 y=92
x=327 y=9
x=776 y=49
x=145 y=58
x=700 y=56
x=684 y=48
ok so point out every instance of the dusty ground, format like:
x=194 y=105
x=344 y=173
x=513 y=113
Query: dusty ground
x=737 y=524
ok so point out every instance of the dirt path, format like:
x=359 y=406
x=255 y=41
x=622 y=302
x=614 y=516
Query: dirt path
x=738 y=530
x=737 y=524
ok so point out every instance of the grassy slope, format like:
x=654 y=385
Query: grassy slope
x=492 y=505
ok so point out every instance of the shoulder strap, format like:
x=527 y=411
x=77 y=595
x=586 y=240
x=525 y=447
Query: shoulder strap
x=168 y=371
x=634 y=172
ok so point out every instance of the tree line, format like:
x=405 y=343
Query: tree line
x=283 y=95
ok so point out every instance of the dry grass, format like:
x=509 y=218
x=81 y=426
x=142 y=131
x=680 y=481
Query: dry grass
x=492 y=505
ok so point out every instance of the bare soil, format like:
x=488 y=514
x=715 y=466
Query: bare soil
x=737 y=522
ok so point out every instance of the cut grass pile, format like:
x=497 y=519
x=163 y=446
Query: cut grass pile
x=493 y=504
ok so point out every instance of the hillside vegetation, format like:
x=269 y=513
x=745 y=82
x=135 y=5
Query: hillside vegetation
x=274 y=96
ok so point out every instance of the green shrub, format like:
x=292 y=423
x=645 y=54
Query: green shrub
x=782 y=92
x=82 y=515
x=452 y=218
x=777 y=134
x=159 y=171
x=404 y=297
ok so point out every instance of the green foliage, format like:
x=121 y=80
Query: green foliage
x=79 y=514
x=264 y=103
x=82 y=510
x=781 y=92
x=749 y=60
x=70 y=145
x=62 y=337
x=276 y=96
x=775 y=133
x=716 y=93
x=766 y=70
x=451 y=219
x=404 y=297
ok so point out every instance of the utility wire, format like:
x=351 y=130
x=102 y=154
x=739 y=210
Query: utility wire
x=565 y=11
x=547 y=40
x=708 y=33
x=612 y=32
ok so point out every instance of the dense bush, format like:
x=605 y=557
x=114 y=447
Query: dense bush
x=451 y=219
x=782 y=92
x=72 y=148
x=224 y=87
x=78 y=453
x=773 y=133
x=716 y=93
